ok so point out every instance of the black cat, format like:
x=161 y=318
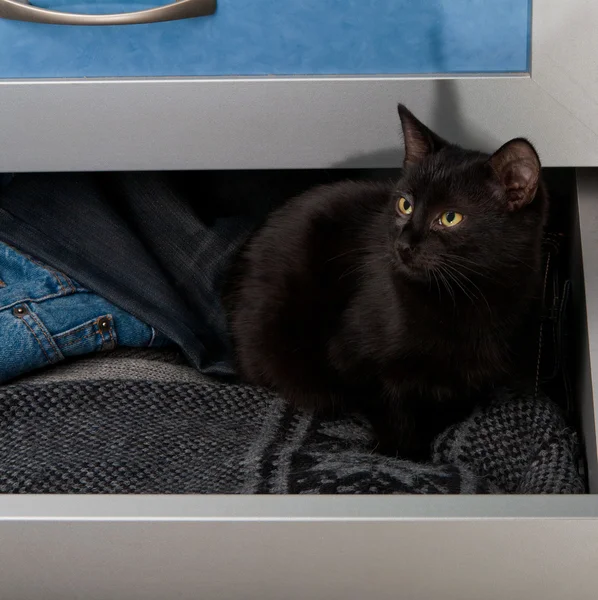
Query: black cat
x=397 y=299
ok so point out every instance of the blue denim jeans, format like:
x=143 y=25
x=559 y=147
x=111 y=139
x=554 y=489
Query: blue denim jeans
x=46 y=316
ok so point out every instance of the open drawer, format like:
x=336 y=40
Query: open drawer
x=328 y=546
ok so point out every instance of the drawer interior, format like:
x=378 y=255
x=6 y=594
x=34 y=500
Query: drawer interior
x=559 y=343
x=570 y=192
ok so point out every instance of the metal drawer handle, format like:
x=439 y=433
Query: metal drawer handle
x=21 y=10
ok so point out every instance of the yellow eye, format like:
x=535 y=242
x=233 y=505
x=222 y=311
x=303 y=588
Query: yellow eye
x=451 y=218
x=404 y=206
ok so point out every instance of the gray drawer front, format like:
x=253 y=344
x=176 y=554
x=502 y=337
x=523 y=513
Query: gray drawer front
x=271 y=123
x=370 y=555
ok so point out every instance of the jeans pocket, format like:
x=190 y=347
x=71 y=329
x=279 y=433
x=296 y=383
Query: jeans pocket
x=25 y=343
x=24 y=279
x=94 y=336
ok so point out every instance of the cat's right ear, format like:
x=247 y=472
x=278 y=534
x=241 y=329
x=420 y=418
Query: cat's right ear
x=419 y=140
x=516 y=165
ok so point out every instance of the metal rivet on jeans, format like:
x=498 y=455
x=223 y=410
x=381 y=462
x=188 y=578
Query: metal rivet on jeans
x=20 y=311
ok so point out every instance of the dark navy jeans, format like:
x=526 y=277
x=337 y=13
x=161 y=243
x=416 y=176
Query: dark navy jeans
x=46 y=316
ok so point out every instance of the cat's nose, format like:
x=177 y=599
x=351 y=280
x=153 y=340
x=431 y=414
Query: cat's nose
x=406 y=255
x=405 y=252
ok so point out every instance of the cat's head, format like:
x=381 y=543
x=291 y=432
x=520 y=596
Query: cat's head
x=459 y=214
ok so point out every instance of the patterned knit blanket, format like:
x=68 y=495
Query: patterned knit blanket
x=144 y=422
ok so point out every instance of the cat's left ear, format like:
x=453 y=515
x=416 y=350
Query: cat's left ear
x=420 y=141
x=516 y=165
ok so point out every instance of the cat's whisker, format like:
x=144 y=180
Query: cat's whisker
x=450 y=264
x=469 y=265
x=464 y=260
x=451 y=275
x=483 y=297
x=363 y=264
x=490 y=271
x=436 y=282
x=473 y=271
x=349 y=271
x=455 y=261
x=465 y=280
x=456 y=276
x=447 y=285
x=522 y=262
x=354 y=250
x=428 y=277
x=507 y=260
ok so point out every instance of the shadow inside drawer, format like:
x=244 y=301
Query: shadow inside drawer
x=144 y=421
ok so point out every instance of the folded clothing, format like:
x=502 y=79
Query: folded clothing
x=158 y=245
x=142 y=421
x=46 y=316
x=173 y=241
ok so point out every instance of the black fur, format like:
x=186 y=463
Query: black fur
x=340 y=302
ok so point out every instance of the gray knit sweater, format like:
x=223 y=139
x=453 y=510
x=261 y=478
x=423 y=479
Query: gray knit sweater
x=143 y=422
